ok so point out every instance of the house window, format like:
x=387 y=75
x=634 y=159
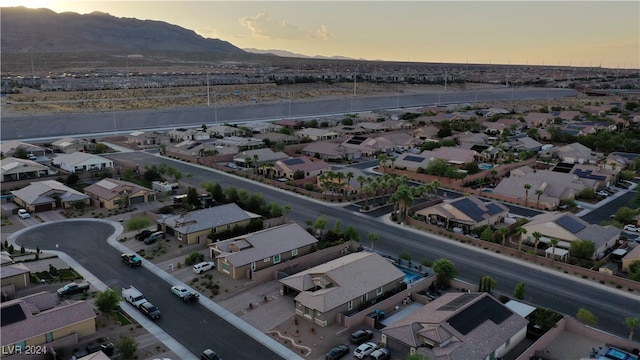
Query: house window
x=294 y=252
x=253 y=266
x=492 y=356
x=350 y=305
x=506 y=344
x=276 y=258
x=267 y=259
x=365 y=297
x=226 y=268
x=49 y=336
x=379 y=291
x=228 y=226
x=308 y=312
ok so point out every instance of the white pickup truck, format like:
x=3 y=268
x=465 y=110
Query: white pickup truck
x=133 y=296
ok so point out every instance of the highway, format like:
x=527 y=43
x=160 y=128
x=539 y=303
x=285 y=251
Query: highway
x=544 y=287
x=108 y=122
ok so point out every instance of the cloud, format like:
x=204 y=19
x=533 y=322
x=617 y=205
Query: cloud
x=209 y=33
x=264 y=27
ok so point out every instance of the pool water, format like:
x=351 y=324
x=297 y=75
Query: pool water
x=485 y=166
x=487 y=191
x=410 y=276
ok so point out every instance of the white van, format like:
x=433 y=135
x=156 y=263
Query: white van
x=203 y=266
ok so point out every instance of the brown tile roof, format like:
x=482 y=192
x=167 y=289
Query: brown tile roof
x=111 y=188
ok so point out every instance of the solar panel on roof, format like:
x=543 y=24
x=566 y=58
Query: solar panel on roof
x=485 y=309
x=470 y=208
x=12 y=314
x=570 y=224
x=293 y=161
x=493 y=208
x=414 y=158
x=458 y=302
x=587 y=174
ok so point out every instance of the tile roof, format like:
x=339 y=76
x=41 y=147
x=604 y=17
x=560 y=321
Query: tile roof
x=342 y=280
x=77 y=158
x=468 y=209
x=11 y=165
x=42 y=192
x=263 y=244
x=575 y=227
x=206 y=218
x=111 y=188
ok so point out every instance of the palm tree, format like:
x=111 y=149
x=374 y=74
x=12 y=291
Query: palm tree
x=340 y=177
x=520 y=231
x=366 y=191
x=383 y=158
x=247 y=162
x=631 y=324
x=526 y=194
x=361 y=179
x=255 y=163
x=349 y=176
x=503 y=234
x=536 y=235
x=538 y=194
x=553 y=243
x=405 y=198
x=436 y=185
x=373 y=237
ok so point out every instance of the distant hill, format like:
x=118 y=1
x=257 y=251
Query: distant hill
x=285 y=53
x=43 y=30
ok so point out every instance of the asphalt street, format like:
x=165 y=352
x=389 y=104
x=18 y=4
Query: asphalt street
x=544 y=287
x=193 y=325
x=60 y=125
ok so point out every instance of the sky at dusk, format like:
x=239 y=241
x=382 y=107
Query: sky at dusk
x=576 y=33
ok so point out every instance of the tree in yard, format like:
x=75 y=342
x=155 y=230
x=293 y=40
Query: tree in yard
x=625 y=215
x=631 y=324
x=349 y=176
x=487 y=283
x=583 y=249
x=373 y=237
x=285 y=211
x=320 y=224
x=138 y=223
x=445 y=271
x=351 y=233
x=519 y=291
x=538 y=194
x=487 y=234
x=192 y=197
x=107 y=300
x=526 y=194
x=418 y=356
x=383 y=158
x=587 y=317
x=73 y=179
x=553 y=243
x=503 y=234
x=520 y=231
x=126 y=346
x=536 y=235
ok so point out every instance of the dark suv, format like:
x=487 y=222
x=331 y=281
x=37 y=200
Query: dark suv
x=209 y=355
x=143 y=235
x=360 y=336
x=150 y=310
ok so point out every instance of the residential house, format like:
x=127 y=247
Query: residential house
x=222 y=131
x=537 y=119
x=276 y=137
x=412 y=162
x=38 y=320
x=264 y=127
x=569 y=115
x=372 y=127
x=343 y=184
x=21 y=169
x=522 y=142
x=240 y=256
x=13 y=275
x=401 y=141
x=368 y=146
x=473 y=138
x=331 y=151
x=112 y=194
x=426 y=132
x=258 y=157
x=621 y=160
x=603 y=175
x=630 y=258
x=566 y=227
x=466 y=213
x=141 y=138
x=193 y=227
x=316 y=134
x=48 y=195
x=303 y=165
x=577 y=153
x=11 y=147
x=81 y=162
x=290 y=124
x=182 y=134
x=457 y=326
x=553 y=185
x=241 y=143
x=341 y=286
x=70 y=145
x=197 y=148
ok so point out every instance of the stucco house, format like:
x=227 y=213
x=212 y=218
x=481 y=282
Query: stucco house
x=457 y=326
x=13 y=275
x=71 y=145
x=111 y=194
x=330 y=151
x=194 y=227
x=47 y=195
x=630 y=258
x=38 y=319
x=10 y=147
x=566 y=227
x=81 y=161
x=317 y=134
x=240 y=256
x=287 y=168
x=341 y=286
x=467 y=213
x=577 y=153
x=20 y=169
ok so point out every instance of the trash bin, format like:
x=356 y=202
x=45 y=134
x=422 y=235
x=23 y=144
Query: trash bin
x=107 y=348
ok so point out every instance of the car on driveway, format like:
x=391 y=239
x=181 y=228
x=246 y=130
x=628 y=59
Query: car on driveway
x=23 y=214
x=380 y=354
x=603 y=193
x=631 y=227
x=150 y=310
x=143 y=235
x=364 y=350
x=203 y=266
x=360 y=336
x=337 y=352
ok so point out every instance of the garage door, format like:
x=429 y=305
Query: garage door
x=136 y=200
x=43 y=207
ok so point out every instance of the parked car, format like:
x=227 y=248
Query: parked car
x=209 y=355
x=603 y=193
x=143 y=235
x=203 y=266
x=153 y=237
x=360 y=336
x=380 y=354
x=364 y=350
x=631 y=227
x=23 y=214
x=131 y=259
x=337 y=352
x=184 y=294
x=150 y=310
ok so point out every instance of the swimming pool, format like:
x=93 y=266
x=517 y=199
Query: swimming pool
x=489 y=191
x=485 y=166
x=410 y=276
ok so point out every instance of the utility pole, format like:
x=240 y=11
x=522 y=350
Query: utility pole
x=208 y=98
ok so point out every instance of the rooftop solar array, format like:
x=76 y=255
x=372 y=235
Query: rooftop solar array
x=628 y=156
x=570 y=224
x=293 y=161
x=493 y=208
x=356 y=140
x=414 y=158
x=194 y=145
x=485 y=309
x=12 y=314
x=470 y=208
x=588 y=174
x=457 y=303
